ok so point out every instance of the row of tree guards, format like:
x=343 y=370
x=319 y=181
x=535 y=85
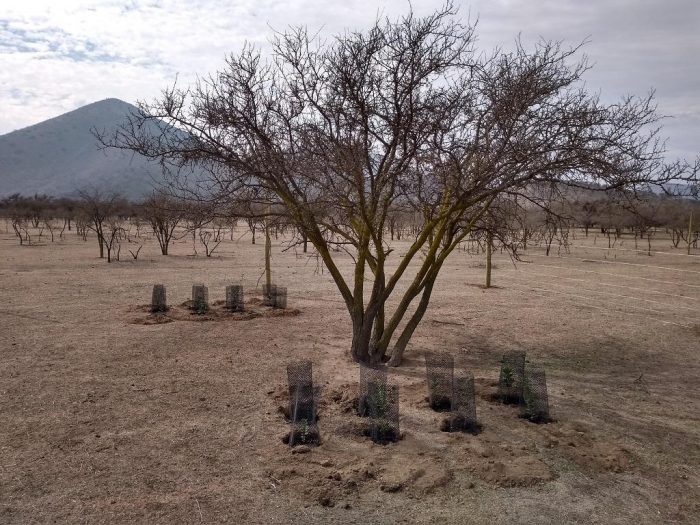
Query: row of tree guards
x=273 y=296
x=449 y=390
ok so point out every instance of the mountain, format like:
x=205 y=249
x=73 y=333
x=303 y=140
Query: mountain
x=60 y=156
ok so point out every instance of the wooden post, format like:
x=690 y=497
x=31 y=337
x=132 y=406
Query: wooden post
x=489 y=242
x=690 y=230
x=268 y=251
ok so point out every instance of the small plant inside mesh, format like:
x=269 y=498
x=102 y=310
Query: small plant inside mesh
x=383 y=410
x=371 y=379
x=303 y=405
x=158 y=301
x=463 y=408
x=269 y=294
x=510 y=381
x=535 y=404
x=234 y=298
x=304 y=417
x=200 y=299
x=439 y=368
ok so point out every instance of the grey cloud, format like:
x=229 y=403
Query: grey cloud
x=635 y=45
x=52 y=42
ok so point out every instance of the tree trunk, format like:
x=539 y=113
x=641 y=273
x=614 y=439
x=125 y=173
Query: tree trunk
x=361 y=336
x=489 y=242
x=400 y=346
x=268 y=250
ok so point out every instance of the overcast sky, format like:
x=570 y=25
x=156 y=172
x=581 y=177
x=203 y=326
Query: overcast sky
x=57 y=55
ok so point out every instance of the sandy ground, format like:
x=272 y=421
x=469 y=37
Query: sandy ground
x=107 y=417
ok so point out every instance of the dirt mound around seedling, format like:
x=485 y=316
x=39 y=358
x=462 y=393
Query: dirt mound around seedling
x=503 y=465
x=420 y=476
x=345 y=398
x=153 y=318
x=509 y=452
x=217 y=312
x=576 y=442
x=320 y=480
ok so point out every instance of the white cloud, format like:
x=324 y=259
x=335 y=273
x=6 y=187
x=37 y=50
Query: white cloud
x=56 y=56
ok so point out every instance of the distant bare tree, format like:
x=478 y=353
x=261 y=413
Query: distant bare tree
x=164 y=214
x=97 y=209
x=211 y=238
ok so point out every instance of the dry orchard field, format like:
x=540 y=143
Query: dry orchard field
x=110 y=418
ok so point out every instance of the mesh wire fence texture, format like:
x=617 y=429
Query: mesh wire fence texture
x=439 y=367
x=234 y=298
x=371 y=378
x=463 y=407
x=304 y=419
x=269 y=294
x=279 y=299
x=158 y=300
x=275 y=296
x=383 y=410
x=303 y=404
x=535 y=404
x=200 y=299
x=510 y=381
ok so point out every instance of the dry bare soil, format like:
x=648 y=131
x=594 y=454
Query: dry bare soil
x=108 y=416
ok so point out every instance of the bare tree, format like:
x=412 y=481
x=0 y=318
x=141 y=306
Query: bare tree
x=97 y=209
x=211 y=236
x=164 y=214
x=113 y=232
x=19 y=211
x=337 y=132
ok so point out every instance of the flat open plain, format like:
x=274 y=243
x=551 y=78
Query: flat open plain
x=107 y=418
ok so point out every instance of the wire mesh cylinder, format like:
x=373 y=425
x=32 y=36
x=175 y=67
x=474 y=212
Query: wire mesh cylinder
x=463 y=407
x=280 y=297
x=535 y=403
x=299 y=376
x=303 y=404
x=158 y=300
x=510 y=381
x=200 y=298
x=439 y=367
x=371 y=377
x=234 y=298
x=269 y=294
x=383 y=410
x=304 y=400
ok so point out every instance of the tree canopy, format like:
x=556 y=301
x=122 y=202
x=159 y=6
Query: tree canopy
x=407 y=115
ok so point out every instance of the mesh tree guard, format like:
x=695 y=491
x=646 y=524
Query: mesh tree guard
x=371 y=377
x=279 y=298
x=304 y=421
x=535 y=405
x=510 y=381
x=158 y=301
x=383 y=405
x=303 y=404
x=439 y=368
x=200 y=299
x=299 y=376
x=463 y=407
x=269 y=294
x=234 y=298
